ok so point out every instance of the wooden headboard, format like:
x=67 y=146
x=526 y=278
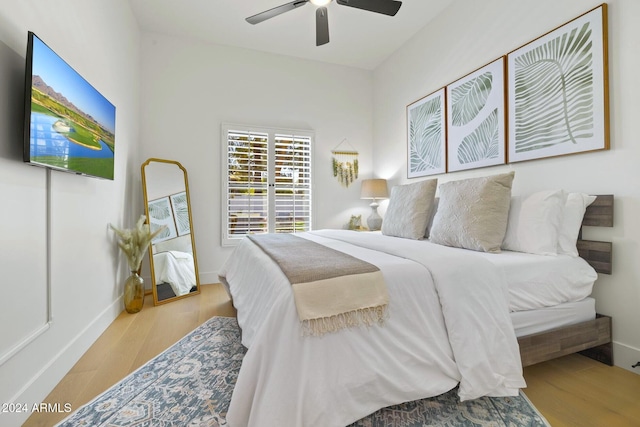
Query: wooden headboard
x=597 y=254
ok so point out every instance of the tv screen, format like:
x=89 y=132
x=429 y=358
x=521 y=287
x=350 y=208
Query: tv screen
x=69 y=125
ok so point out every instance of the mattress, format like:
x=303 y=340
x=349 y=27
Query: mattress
x=533 y=321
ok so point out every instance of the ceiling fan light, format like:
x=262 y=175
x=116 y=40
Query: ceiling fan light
x=320 y=2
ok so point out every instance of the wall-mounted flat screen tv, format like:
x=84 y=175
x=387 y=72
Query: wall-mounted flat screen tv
x=69 y=125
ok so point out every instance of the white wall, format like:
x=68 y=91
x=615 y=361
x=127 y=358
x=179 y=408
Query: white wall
x=470 y=34
x=100 y=40
x=190 y=88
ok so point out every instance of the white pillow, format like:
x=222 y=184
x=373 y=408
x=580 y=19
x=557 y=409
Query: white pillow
x=472 y=213
x=534 y=222
x=574 y=210
x=409 y=209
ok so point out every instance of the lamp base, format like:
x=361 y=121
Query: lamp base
x=374 y=222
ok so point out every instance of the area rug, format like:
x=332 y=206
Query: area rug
x=190 y=384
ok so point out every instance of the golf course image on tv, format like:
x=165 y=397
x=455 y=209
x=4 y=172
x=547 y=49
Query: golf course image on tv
x=69 y=125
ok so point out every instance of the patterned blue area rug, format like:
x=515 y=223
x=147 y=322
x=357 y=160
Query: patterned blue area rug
x=190 y=384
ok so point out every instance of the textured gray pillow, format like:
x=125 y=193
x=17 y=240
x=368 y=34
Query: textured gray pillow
x=409 y=209
x=472 y=213
x=432 y=216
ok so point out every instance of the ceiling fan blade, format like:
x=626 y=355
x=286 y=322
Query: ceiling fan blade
x=322 y=26
x=387 y=7
x=263 y=16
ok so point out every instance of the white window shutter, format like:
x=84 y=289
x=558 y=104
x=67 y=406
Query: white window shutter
x=267 y=177
x=292 y=183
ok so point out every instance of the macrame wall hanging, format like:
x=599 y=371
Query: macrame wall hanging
x=345 y=163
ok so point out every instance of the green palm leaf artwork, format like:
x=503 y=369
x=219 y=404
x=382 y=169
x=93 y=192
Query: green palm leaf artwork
x=469 y=98
x=482 y=143
x=426 y=129
x=476 y=118
x=554 y=98
x=160 y=215
x=181 y=213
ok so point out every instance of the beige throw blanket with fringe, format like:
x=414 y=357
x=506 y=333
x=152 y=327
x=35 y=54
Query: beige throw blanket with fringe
x=332 y=290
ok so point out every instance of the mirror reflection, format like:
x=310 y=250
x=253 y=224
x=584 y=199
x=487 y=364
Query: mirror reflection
x=172 y=253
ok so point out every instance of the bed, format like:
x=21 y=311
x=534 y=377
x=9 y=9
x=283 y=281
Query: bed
x=592 y=337
x=175 y=268
x=444 y=327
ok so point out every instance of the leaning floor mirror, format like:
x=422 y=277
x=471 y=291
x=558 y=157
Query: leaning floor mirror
x=172 y=253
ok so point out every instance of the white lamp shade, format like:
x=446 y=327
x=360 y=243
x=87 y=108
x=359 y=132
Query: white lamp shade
x=374 y=189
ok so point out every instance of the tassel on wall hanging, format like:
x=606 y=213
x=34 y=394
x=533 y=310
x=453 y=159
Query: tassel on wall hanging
x=345 y=164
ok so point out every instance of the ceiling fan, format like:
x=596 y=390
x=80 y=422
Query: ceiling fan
x=386 y=7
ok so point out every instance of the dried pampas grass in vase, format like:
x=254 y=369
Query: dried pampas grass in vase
x=134 y=244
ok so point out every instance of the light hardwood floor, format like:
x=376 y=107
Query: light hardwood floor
x=572 y=391
x=128 y=343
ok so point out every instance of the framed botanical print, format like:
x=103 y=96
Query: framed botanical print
x=476 y=114
x=160 y=214
x=426 y=136
x=558 y=91
x=181 y=213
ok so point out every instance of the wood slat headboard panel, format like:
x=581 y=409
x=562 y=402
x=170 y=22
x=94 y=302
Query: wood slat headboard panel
x=598 y=254
x=600 y=212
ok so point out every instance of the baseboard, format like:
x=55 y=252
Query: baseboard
x=625 y=357
x=45 y=380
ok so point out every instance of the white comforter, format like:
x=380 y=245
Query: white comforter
x=448 y=323
x=177 y=269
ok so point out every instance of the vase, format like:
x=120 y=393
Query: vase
x=133 y=293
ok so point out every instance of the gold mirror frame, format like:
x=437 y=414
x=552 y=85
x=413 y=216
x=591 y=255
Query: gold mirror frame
x=166 y=193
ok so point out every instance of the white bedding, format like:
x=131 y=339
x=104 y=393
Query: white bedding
x=544 y=319
x=446 y=325
x=175 y=268
x=538 y=281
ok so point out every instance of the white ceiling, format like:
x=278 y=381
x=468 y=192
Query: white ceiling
x=358 y=38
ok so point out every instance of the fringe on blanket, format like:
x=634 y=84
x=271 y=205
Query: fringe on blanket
x=361 y=317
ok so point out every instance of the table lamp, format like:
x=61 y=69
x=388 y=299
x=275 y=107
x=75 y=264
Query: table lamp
x=374 y=189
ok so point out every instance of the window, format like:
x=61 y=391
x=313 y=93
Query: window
x=266 y=176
